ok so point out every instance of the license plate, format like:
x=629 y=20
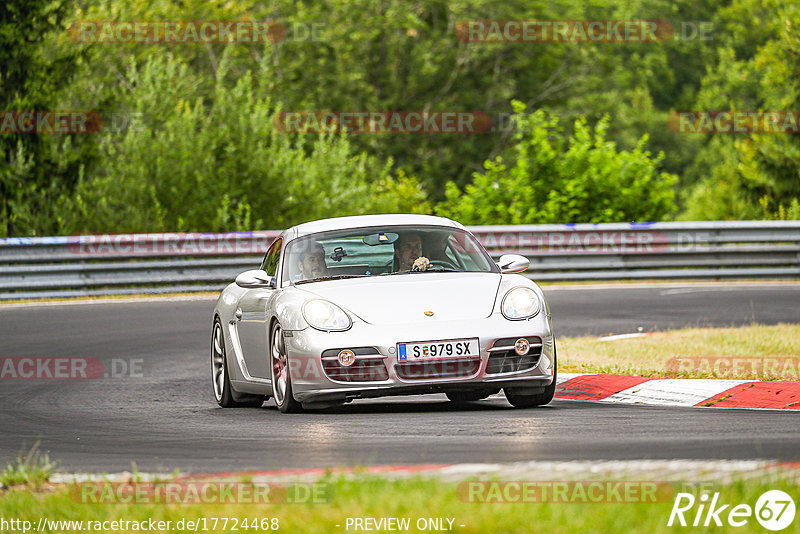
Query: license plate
x=429 y=350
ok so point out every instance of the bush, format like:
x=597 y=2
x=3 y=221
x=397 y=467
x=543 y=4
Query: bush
x=555 y=178
x=187 y=164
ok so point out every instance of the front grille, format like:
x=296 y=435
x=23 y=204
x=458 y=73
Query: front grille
x=503 y=359
x=439 y=369
x=509 y=363
x=368 y=367
x=361 y=370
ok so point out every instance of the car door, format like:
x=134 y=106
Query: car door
x=253 y=325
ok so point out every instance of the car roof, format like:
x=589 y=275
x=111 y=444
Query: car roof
x=362 y=221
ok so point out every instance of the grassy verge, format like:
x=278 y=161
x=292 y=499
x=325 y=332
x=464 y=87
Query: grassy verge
x=754 y=352
x=30 y=468
x=415 y=499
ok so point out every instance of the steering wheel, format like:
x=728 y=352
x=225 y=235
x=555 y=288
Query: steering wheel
x=445 y=264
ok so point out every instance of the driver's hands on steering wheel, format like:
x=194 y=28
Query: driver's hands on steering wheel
x=421 y=264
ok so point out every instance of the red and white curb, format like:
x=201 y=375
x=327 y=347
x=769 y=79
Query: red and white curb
x=701 y=392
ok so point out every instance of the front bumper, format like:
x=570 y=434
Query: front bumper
x=311 y=383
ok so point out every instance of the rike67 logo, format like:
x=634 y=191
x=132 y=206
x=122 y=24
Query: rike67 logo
x=774 y=510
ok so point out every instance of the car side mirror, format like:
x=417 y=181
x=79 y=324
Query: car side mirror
x=513 y=263
x=255 y=279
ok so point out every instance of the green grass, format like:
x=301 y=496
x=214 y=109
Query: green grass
x=28 y=468
x=409 y=498
x=755 y=352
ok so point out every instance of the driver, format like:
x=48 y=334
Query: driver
x=311 y=263
x=408 y=251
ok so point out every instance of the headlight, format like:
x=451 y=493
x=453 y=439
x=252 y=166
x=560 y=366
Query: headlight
x=520 y=303
x=327 y=316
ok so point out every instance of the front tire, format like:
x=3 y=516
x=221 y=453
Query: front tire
x=539 y=399
x=281 y=378
x=221 y=382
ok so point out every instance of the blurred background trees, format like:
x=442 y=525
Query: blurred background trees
x=35 y=75
x=189 y=142
x=551 y=178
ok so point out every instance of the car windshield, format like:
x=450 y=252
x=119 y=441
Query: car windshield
x=381 y=251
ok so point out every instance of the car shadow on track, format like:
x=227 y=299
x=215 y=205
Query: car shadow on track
x=416 y=406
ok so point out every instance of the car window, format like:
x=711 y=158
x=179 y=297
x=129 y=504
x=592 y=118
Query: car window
x=352 y=250
x=456 y=251
x=270 y=264
x=385 y=250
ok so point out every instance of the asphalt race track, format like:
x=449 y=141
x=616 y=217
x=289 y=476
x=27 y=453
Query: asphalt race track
x=164 y=417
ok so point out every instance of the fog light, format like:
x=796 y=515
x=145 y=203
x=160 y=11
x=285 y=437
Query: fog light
x=521 y=346
x=347 y=358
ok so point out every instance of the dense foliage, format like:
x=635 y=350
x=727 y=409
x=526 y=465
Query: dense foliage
x=580 y=179
x=579 y=130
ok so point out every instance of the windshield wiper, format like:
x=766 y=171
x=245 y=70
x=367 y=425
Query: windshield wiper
x=326 y=278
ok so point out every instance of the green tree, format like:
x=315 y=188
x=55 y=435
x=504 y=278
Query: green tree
x=186 y=165
x=35 y=168
x=556 y=178
x=399 y=55
x=754 y=175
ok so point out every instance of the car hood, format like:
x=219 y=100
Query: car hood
x=404 y=298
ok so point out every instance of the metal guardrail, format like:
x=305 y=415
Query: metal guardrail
x=177 y=262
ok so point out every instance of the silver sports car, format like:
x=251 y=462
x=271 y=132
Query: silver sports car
x=374 y=305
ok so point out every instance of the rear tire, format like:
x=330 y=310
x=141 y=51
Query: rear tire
x=224 y=393
x=539 y=399
x=280 y=376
